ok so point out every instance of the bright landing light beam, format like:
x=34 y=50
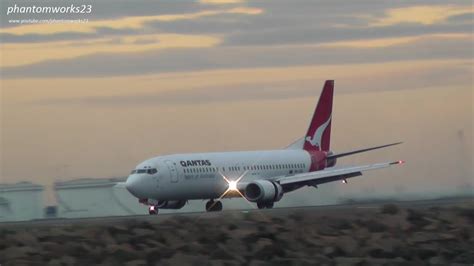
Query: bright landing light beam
x=233 y=185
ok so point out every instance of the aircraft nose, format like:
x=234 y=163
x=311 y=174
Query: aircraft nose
x=134 y=185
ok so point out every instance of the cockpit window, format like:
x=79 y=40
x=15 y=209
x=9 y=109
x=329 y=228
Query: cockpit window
x=152 y=171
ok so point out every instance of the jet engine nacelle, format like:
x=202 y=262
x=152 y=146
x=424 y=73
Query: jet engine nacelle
x=263 y=191
x=170 y=204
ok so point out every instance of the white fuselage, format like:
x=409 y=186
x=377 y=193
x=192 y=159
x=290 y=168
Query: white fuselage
x=200 y=175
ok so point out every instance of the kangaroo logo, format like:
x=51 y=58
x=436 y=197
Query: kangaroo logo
x=315 y=141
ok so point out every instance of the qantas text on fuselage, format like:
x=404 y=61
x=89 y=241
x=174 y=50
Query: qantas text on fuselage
x=262 y=177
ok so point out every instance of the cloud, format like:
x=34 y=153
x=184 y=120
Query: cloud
x=426 y=14
x=386 y=42
x=35 y=53
x=465 y=17
x=104 y=9
x=136 y=22
x=289 y=82
x=254 y=33
x=309 y=34
x=201 y=59
x=220 y=2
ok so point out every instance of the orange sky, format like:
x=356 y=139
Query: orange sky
x=79 y=100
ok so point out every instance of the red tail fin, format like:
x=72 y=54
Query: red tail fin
x=318 y=136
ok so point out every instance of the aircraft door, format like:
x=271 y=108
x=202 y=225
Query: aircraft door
x=173 y=172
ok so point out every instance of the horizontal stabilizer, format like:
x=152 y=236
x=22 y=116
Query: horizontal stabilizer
x=338 y=155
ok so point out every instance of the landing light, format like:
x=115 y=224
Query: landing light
x=232 y=185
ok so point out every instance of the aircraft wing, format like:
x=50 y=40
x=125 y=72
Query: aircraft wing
x=329 y=174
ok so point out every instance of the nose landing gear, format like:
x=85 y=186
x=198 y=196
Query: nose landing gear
x=152 y=210
x=213 y=206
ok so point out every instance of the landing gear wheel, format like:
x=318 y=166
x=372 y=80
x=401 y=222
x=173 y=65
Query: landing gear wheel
x=152 y=210
x=213 y=206
x=269 y=205
x=263 y=205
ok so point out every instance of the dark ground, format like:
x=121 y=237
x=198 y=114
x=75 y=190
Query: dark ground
x=368 y=234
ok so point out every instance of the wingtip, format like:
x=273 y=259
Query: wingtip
x=398 y=162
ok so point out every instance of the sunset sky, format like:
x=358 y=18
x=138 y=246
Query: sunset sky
x=146 y=78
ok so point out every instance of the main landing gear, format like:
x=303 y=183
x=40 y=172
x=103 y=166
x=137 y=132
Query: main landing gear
x=213 y=206
x=152 y=210
x=262 y=205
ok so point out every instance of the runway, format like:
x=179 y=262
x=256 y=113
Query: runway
x=275 y=212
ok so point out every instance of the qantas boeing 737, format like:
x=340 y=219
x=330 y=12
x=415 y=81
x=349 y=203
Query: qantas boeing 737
x=262 y=177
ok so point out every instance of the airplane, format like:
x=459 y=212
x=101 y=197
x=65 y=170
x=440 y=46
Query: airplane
x=261 y=177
